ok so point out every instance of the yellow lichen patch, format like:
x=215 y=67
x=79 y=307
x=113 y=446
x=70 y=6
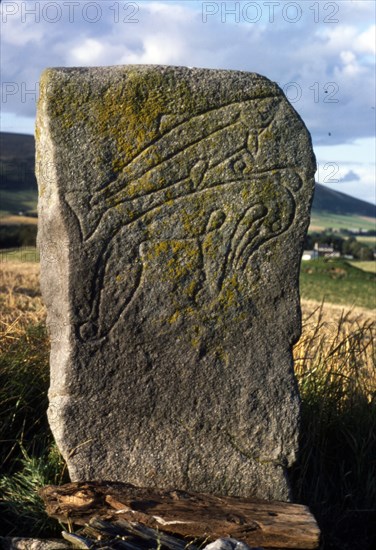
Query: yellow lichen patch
x=179 y=260
x=229 y=294
x=130 y=111
x=159 y=248
x=196 y=336
x=175 y=317
x=181 y=267
x=209 y=246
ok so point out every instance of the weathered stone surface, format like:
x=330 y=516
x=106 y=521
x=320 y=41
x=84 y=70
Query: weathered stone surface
x=173 y=206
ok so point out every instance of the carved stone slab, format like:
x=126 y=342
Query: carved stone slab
x=173 y=205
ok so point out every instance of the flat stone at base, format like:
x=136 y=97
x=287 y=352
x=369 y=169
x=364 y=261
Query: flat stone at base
x=229 y=544
x=173 y=205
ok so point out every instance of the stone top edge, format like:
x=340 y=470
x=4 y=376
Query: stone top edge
x=149 y=66
x=50 y=71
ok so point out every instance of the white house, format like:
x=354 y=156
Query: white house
x=326 y=251
x=310 y=255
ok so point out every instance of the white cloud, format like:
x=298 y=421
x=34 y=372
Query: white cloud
x=87 y=53
x=350 y=169
x=347 y=57
x=172 y=12
x=160 y=49
x=338 y=38
x=329 y=63
x=366 y=41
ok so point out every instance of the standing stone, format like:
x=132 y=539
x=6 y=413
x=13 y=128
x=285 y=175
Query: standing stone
x=173 y=206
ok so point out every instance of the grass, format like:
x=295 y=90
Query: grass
x=335 y=364
x=323 y=220
x=367 y=239
x=28 y=456
x=21 y=200
x=336 y=370
x=365 y=266
x=18 y=220
x=337 y=282
x=23 y=255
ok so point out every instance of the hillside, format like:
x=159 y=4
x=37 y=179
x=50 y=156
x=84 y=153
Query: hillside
x=18 y=190
x=332 y=209
x=17 y=160
x=19 y=146
x=334 y=202
x=18 y=186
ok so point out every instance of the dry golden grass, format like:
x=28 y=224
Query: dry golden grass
x=332 y=313
x=335 y=475
x=18 y=220
x=338 y=344
x=21 y=303
x=335 y=364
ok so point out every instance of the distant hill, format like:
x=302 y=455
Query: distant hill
x=18 y=146
x=327 y=200
x=18 y=189
x=17 y=160
x=18 y=185
x=334 y=210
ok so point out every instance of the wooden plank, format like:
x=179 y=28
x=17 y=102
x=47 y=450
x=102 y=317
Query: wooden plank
x=188 y=514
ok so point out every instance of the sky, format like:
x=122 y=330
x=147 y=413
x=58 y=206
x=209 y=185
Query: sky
x=321 y=53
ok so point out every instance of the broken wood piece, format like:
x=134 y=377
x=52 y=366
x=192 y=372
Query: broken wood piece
x=134 y=536
x=196 y=515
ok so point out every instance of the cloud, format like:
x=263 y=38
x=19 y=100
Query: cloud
x=88 y=52
x=350 y=176
x=366 y=41
x=349 y=168
x=324 y=68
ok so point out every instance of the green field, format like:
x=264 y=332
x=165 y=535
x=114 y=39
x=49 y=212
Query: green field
x=338 y=282
x=365 y=266
x=368 y=240
x=23 y=255
x=324 y=220
x=332 y=281
x=12 y=202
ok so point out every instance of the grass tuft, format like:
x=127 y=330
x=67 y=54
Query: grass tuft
x=335 y=363
x=28 y=455
x=24 y=380
x=20 y=502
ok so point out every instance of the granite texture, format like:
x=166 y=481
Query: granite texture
x=173 y=205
